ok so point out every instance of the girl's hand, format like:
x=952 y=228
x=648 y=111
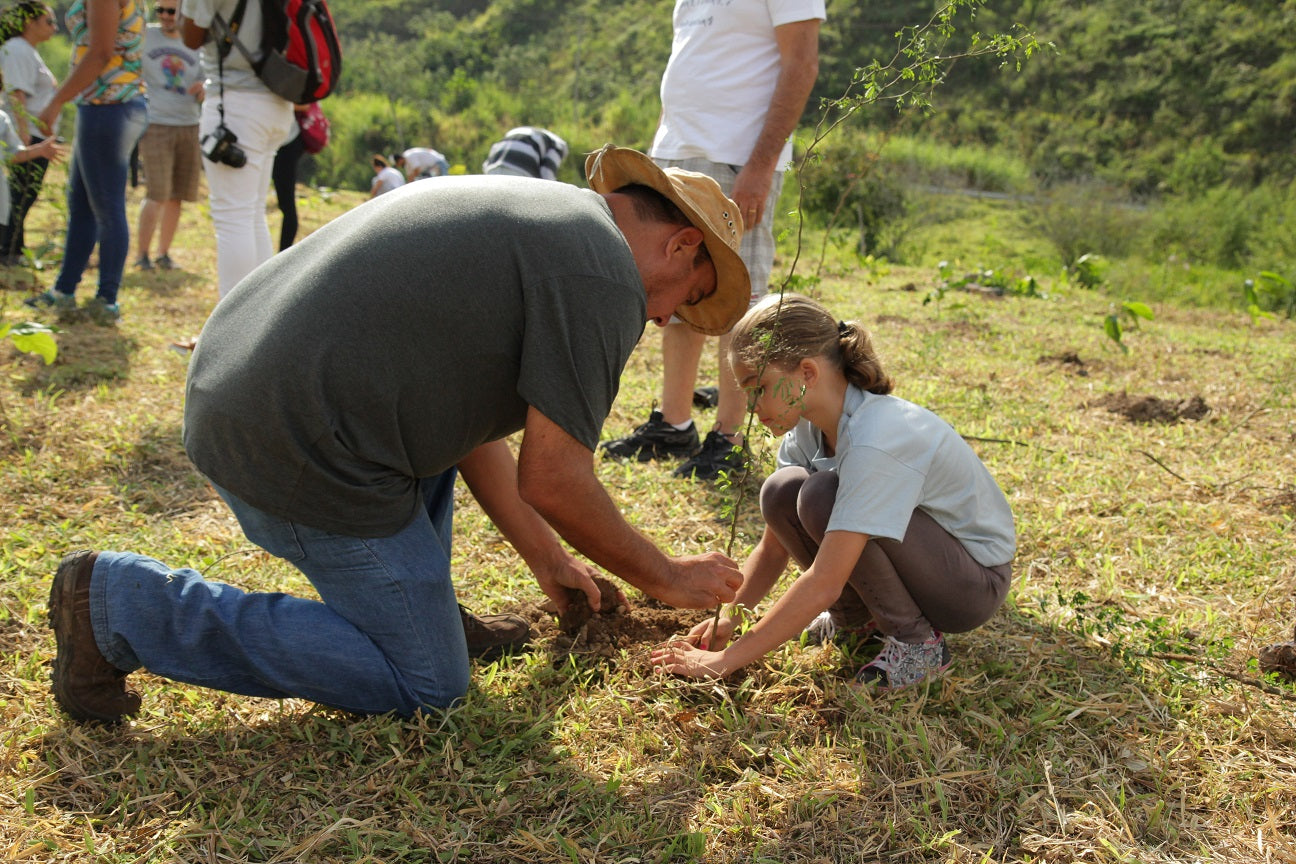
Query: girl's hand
x=48 y=149
x=702 y=636
x=683 y=658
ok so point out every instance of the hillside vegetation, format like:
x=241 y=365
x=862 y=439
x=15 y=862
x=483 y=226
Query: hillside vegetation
x=1161 y=95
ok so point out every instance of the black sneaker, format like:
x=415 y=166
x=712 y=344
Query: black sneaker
x=655 y=439
x=490 y=636
x=706 y=397
x=718 y=456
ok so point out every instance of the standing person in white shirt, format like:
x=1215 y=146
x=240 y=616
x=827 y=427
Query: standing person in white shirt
x=28 y=87
x=169 y=148
x=734 y=89
x=236 y=102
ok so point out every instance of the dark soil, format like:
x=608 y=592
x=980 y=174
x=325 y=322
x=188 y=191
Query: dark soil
x=605 y=634
x=1150 y=409
x=1280 y=658
x=1069 y=361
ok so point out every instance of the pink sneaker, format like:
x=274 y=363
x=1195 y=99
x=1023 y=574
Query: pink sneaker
x=901 y=664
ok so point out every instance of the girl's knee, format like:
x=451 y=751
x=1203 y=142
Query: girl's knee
x=779 y=492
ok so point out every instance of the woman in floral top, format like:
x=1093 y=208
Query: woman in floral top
x=107 y=85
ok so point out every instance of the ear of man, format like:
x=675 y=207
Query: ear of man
x=683 y=244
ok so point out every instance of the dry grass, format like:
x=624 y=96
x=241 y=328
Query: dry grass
x=1110 y=713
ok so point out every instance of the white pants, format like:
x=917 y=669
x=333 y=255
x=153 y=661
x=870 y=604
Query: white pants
x=261 y=120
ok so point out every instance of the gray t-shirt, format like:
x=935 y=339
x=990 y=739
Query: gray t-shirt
x=399 y=337
x=23 y=69
x=238 y=74
x=894 y=457
x=170 y=69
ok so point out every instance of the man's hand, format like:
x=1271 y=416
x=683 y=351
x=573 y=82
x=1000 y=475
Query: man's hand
x=572 y=572
x=700 y=581
x=751 y=188
x=556 y=477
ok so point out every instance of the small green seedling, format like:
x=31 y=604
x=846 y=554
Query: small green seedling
x=1130 y=311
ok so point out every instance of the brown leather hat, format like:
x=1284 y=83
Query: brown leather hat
x=707 y=209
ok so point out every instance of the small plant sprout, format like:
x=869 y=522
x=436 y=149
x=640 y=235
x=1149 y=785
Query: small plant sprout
x=1280 y=291
x=1251 y=300
x=1130 y=311
x=1087 y=271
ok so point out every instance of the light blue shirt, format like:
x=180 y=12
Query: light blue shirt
x=894 y=457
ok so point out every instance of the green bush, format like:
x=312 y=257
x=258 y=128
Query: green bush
x=844 y=187
x=1086 y=218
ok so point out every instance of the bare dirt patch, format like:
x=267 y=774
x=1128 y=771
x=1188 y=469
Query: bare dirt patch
x=641 y=624
x=1280 y=658
x=1069 y=361
x=1151 y=409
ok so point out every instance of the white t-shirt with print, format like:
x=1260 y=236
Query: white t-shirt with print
x=722 y=72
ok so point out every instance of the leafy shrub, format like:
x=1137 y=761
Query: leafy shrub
x=1083 y=218
x=842 y=184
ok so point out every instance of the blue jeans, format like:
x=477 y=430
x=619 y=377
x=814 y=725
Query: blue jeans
x=387 y=636
x=96 y=196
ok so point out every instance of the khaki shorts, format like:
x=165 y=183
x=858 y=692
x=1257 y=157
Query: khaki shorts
x=757 y=249
x=172 y=162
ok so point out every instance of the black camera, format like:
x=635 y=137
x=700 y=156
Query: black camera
x=221 y=146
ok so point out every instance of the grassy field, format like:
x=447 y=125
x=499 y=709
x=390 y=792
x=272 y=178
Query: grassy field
x=1112 y=712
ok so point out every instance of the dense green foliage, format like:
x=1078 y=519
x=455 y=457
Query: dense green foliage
x=1156 y=96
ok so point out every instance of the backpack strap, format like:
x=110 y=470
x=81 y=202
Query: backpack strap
x=229 y=33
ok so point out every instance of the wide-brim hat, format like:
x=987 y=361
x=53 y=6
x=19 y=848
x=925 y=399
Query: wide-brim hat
x=707 y=209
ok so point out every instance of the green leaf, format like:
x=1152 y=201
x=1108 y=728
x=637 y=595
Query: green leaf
x=1142 y=310
x=36 y=341
x=1112 y=327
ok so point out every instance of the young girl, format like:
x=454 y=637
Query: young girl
x=879 y=501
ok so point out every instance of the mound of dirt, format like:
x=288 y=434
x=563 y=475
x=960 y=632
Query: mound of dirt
x=1280 y=658
x=1069 y=361
x=604 y=634
x=1150 y=409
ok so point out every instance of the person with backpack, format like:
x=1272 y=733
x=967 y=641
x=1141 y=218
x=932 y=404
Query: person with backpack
x=242 y=125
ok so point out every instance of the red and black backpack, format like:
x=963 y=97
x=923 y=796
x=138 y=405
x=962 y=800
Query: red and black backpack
x=300 y=56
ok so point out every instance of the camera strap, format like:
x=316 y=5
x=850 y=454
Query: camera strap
x=228 y=40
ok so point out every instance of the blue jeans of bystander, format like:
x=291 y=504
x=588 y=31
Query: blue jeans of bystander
x=96 y=195
x=387 y=636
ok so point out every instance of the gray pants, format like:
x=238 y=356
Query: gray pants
x=928 y=580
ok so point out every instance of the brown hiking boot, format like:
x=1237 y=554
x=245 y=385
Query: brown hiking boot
x=489 y=636
x=86 y=686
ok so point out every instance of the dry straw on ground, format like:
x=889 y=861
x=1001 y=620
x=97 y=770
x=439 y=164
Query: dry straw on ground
x=1111 y=712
